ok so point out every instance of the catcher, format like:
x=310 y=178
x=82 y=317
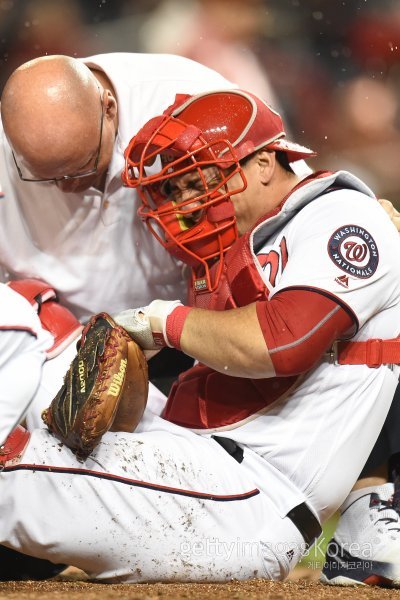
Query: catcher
x=299 y=280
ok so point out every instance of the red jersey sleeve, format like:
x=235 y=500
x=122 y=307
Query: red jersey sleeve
x=299 y=325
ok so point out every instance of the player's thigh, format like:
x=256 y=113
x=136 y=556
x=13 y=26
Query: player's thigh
x=198 y=506
x=164 y=504
x=347 y=444
x=138 y=499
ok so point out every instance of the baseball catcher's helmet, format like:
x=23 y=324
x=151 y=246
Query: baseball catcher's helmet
x=214 y=129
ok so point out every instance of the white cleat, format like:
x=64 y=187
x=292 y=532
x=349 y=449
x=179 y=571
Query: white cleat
x=365 y=549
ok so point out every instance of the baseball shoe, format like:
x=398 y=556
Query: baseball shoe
x=365 y=549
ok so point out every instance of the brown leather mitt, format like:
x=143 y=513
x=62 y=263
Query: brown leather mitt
x=105 y=388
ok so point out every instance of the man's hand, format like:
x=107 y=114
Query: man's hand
x=149 y=325
x=394 y=214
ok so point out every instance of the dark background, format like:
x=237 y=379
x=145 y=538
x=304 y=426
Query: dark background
x=332 y=68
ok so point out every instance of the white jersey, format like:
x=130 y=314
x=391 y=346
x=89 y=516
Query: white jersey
x=341 y=244
x=23 y=344
x=91 y=246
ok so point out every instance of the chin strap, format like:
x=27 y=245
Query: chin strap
x=374 y=353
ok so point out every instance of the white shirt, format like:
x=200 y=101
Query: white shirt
x=91 y=246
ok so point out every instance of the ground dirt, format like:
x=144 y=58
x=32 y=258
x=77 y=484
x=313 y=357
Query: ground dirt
x=73 y=585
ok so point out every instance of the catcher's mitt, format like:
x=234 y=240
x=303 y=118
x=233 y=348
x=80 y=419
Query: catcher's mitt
x=105 y=387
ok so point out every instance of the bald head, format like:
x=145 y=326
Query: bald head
x=49 y=107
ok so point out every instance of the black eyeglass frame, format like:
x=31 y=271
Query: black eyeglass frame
x=92 y=171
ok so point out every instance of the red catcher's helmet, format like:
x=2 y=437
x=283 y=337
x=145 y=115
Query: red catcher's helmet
x=213 y=129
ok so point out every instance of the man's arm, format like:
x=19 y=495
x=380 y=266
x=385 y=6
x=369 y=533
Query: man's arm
x=231 y=342
x=284 y=336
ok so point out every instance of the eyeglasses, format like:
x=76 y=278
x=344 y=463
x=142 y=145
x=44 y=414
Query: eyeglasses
x=68 y=177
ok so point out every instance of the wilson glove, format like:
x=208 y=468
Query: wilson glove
x=105 y=388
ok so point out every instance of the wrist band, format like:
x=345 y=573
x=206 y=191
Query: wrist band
x=174 y=325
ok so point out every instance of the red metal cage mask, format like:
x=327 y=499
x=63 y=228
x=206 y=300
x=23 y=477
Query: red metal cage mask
x=203 y=136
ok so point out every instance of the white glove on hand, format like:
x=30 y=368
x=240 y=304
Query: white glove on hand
x=147 y=325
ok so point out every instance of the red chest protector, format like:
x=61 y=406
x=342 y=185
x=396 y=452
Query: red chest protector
x=205 y=399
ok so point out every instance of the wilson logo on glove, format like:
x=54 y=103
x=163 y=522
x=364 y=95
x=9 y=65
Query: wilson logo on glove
x=118 y=379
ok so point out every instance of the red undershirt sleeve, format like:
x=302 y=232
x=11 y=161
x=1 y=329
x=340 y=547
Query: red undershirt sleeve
x=299 y=326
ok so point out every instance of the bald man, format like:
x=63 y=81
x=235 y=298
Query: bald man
x=65 y=124
x=65 y=216
x=65 y=113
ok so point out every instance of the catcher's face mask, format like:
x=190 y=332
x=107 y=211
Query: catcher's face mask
x=195 y=147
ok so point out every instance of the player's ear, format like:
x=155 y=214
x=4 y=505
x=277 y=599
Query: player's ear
x=266 y=162
x=110 y=106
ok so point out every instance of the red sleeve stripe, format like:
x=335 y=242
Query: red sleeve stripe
x=307 y=335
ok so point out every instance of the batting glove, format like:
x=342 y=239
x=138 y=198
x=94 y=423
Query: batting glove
x=157 y=325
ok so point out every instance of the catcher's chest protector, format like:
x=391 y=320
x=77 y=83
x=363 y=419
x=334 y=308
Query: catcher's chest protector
x=205 y=399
